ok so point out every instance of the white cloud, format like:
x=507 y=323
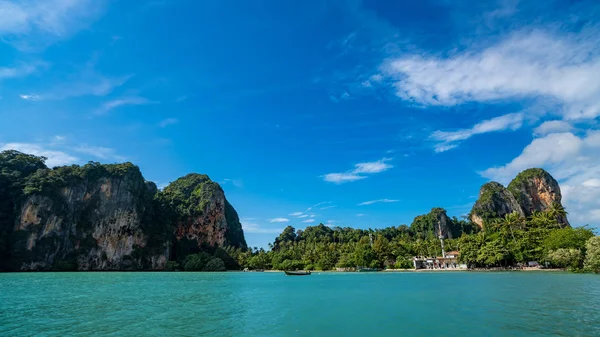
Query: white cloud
x=296 y=214
x=167 y=122
x=340 y=178
x=377 y=201
x=308 y=221
x=133 y=100
x=98 y=152
x=302 y=216
x=279 y=220
x=373 y=167
x=549 y=150
x=359 y=170
x=235 y=182
x=32 y=97
x=19 y=71
x=573 y=160
x=327 y=207
x=552 y=127
x=83 y=81
x=255 y=228
x=449 y=140
x=23 y=23
x=545 y=65
x=360 y=214
x=55 y=158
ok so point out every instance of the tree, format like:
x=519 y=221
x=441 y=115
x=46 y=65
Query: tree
x=557 y=211
x=592 y=256
x=565 y=258
x=574 y=238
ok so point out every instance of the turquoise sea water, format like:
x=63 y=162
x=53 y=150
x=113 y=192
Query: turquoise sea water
x=323 y=304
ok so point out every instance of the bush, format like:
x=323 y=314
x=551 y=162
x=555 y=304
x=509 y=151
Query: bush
x=172 y=265
x=402 y=263
x=592 y=258
x=565 y=258
x=215 y=264
x=196 y=262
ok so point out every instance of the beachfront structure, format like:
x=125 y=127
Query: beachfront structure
x=449 y=261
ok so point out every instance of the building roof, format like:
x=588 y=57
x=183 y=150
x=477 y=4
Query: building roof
x=454 y=252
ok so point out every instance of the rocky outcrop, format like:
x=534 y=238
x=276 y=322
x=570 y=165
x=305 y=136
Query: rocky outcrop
x=106 y=217
x=90 y=224
x=533 y=190
x=204 y=216
x=537 y=191
x=436 y=223
x=495 y=201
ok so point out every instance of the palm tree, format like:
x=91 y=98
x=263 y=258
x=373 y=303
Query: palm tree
x=557 y=212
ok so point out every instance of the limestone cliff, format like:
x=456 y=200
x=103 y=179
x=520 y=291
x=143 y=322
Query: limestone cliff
x=435 y=223
x=533 y=190
x=105 y=217
x=204 y=216
x=536 y=191
x=495 y=201
x=92 y=221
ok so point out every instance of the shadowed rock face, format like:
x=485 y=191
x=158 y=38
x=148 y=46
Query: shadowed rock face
x=105 y=217
x=533 y=190
x=495 y=201
x=204 y=216
x=90 y=225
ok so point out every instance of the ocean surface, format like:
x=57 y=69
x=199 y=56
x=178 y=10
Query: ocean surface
x=323 y=304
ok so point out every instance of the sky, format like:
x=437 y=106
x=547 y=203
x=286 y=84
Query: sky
x=347 y=113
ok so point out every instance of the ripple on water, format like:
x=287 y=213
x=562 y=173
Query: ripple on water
x=324 y=304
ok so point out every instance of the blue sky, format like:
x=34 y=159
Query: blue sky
x=348 y=113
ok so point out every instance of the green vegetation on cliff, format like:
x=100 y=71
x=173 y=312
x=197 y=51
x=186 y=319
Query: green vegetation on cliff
x=189 y=195
x=74 y=194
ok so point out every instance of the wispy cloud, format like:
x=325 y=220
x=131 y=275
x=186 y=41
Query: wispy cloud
x=81 y=81
x=377 y=201
x=258 y=229
x=296 y=214
x=169 y=121
x=125 y=101
x=35 y=23
x=544 y=64
x=449 y=140
x=359 y=172
x=19 y=71
x=98 y=152
x=308 y=221
x=279 y=220
x=552 y=127
x=340 y=178
x=32 y=97
x=235 y=182
x=360 y=214
x=327 y=207
x=54 y=157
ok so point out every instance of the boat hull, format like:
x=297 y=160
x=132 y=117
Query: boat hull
x=297 y=273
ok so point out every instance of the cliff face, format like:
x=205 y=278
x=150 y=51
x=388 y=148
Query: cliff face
x=495 y=201
x=536 y=191
x=435 y=223
x=91 y=224
x=533 y=190
x=106 y=217
x=204 y=217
